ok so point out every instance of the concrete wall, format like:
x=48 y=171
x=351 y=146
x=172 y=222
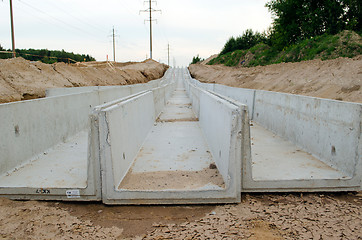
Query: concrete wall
x=159 y=100
x=222 y=122
x=330 y=130
x=108 y=95
x=243 y=95
x=123 y=129
x=36 y=125
x=29 y=128
x=124 y=124
x=54 y=92
x=134 y=88
x=161 y=96
x=219 y=121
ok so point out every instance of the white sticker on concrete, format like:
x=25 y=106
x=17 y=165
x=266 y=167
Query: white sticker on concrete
x=73 y=193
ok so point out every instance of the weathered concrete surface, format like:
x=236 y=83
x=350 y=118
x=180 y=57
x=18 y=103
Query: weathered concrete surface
x=327 y=131
x=174 y=164
x=297 y=143
x=47 y=147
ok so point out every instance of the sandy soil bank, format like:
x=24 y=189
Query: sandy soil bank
x=21 y=79
x=338 y=79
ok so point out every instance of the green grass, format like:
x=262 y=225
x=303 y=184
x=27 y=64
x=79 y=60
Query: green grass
x=344 y=44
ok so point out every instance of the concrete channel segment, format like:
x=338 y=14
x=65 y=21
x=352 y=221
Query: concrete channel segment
x=168 y=158
x=47 y=151
x=176 y=141
x=298 y=143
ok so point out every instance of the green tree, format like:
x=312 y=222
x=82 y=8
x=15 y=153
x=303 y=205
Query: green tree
x=247 y=40
x=196 y=59
x=295 y=20
x=353 y=15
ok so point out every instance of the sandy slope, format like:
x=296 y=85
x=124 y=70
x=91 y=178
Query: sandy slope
x=21 y=79
x=339 y=79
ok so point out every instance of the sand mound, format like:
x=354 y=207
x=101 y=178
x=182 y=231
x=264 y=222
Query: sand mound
x=338 y=79
x=21 y=79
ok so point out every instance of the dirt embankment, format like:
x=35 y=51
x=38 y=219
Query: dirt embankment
x=21 y=79
x=338 y=79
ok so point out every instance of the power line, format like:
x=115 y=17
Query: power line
x=77 y=18
x=57 y=19
x=150 y=10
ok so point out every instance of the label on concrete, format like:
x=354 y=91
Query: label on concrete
x=73 y=193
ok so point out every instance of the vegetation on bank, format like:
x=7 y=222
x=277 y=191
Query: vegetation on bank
x=301 y=30
x=345 y=44
x=47 y=56
x=196 y=59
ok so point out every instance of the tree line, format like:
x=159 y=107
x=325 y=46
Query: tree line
x=297 y=20
x=47 y=56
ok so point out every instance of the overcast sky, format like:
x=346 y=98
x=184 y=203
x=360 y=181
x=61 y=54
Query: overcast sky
x=85 y=26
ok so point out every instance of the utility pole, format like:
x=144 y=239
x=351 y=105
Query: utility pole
x=168 y=54
x=12 y=28
x=150 y=10
x=114 y=48
x=113 y=35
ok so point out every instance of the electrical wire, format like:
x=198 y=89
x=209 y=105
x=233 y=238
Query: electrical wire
x=94 y=26
x=59 y=20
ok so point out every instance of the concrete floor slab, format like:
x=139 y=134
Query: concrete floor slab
x=178 y=108
x=63 y=166
x=274 y=158
x=175 y=150
x=173 y=146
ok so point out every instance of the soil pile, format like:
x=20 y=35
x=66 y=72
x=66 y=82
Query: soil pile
x=21 y=79
x=338 y=79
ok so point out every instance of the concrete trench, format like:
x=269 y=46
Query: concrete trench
x=173 y=162
x=176 y=141
x=175 y=154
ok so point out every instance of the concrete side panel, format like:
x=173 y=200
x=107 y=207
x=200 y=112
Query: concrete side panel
x=107 y=95
x=54 y=92
x=221 y=122
x=242 y=95
x=159 y=99
x=328 y=129
x=31 y=127
x=123 y=128
x=207 y=86
x=169 y=90
x=38 y=134
x=194 y=95
x=135 y=88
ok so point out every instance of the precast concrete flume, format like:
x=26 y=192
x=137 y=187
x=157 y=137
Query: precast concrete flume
x=176 y=141
x=168 y=156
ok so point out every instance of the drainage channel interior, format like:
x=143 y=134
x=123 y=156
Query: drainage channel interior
x=175 y=155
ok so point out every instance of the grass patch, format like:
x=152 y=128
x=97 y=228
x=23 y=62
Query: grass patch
x=344 y=44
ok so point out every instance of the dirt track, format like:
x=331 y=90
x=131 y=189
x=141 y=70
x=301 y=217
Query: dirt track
x=338 y=79
x=259 y=216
